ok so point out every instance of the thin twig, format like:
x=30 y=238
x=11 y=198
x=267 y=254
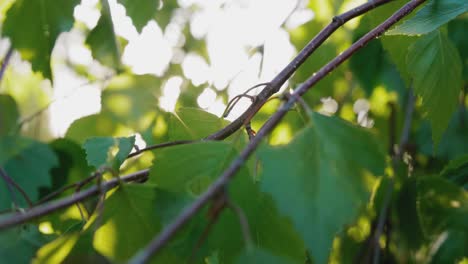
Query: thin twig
x=5 y=62
x=397 y=155
x=162 y=145
x=288 y=71
x=166 y=234
x=243 y=221
x=12 y=182
x=77 y=185
x=6 y=179
x=15 y=219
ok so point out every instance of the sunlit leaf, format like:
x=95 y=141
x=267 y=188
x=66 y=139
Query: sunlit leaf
x=193 y=123
x=108 y=151
x=132 y=99
x=34 y=26
x=8 y=115
x=433 y=15
x=435 y=66
x=206 y=161
x=141 y=11
x=332 y=157
x=129 y=222
x=103 y=41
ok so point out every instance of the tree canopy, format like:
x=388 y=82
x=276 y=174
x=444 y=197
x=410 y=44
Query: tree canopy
x=194 y=131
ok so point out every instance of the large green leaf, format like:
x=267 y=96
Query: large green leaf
x=101 y=151
x=29 y=167
x=436 y=69
x=433 y=15
x=33 y=27
x=193 y=123
x=8 y=115
x=182 y=172
x=129 y=222
x=321 y=179
x=132 y=99
x=102 y=40
x=141 y=11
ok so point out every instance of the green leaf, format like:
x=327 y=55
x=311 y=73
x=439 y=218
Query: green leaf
x=34 y=26
x=193 y=123
x=72 y=165
x=100 y=151
x=442 y=206
x=129 y=222
x=182 y=172
x=141 y=11
x=29 y=167
x=9 y=115
x=453 y=141
x=450 y=247
x=436 y=69
x=96 y=125
x=132 y=99
x=457 y=34
x=433 y=15
x=102 y=40
x=329 y=158
x=19 y=245
x=255 y=256
x=189 y=168
x=457 y=171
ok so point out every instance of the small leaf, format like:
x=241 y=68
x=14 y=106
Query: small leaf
x=193 y=123
x=29 y=166
x=326 y=170
x=34 y=26
x=100 y=151
x=435 y=66
x=102 y=40
x=141 y=11
x=8 y=115
x=433 y=15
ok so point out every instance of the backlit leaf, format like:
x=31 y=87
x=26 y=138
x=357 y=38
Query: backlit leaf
x=433 y=15
x=321 y=179
x=34 y=26
x=435 y=66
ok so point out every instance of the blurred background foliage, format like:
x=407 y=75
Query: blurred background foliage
x=165 y=70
